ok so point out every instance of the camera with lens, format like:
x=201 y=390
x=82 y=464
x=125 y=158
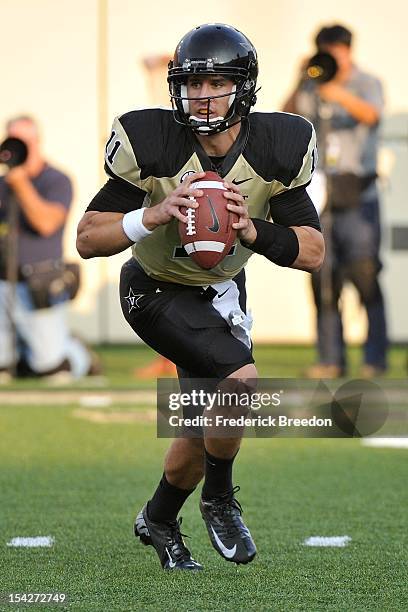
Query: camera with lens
x=321 y=68
x=13 y=152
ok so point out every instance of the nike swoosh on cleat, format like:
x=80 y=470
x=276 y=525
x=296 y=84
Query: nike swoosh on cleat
x=171 y=562
x=227 y=552
x=216 y=224
x=235 y=182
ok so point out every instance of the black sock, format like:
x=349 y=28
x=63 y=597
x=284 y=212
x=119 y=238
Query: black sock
x=218 y=476
x=166 y=502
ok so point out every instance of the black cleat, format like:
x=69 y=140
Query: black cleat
x=228 y=533
x=168 y=541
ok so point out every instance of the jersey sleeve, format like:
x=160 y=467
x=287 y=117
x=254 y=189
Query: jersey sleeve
x=125 y=190
x=117 y=196
x=300 y=159
x=294 y=207
x=120 y=158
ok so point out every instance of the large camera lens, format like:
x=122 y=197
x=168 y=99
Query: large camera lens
x=321 y=68
x=13 y=152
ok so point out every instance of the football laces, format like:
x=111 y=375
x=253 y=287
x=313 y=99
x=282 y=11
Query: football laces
x=191 y=229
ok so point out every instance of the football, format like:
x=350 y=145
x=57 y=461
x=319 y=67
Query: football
x=208 y=235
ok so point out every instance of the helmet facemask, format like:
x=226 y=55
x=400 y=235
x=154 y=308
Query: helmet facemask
x=224 y=52
x=238 y=105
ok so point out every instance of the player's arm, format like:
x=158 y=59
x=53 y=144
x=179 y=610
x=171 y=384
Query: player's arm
x=293 y=210
x=101 y=234
x=311 y=249
x=294 y=240
x=115 y=218
x=119 y=215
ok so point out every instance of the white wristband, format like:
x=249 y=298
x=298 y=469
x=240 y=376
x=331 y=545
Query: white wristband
x=133 y=227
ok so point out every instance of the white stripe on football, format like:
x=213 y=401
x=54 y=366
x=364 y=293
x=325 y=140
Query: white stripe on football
x=204 y=245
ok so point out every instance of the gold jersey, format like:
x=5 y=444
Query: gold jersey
x=274 y=153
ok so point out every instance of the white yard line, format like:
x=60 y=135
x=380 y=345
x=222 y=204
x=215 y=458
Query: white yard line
x=339 y=541
x=385 y=442
x=102 y=416
x=95 y=401
x=47 y=398
x=34 y=542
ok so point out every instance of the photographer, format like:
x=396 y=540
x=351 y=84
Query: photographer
x=34 y=203
x=345 y=105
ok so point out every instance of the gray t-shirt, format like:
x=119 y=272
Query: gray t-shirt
x=349 y=146
x=52 y=185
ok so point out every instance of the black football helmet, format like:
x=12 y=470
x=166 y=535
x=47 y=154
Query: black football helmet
x=214 y=48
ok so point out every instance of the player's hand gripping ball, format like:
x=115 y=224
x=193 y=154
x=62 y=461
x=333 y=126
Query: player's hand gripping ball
x=208 y=235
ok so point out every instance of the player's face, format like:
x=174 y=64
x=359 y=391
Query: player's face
x=201 y=86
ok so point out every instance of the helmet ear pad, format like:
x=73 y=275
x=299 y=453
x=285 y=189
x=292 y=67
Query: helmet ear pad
x=184 y=98
x=232 y=97
x=245 y=98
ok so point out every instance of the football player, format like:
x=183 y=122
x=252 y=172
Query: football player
x=153 y=157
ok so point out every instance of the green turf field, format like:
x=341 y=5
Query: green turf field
x=119 y=363
x=82 y=483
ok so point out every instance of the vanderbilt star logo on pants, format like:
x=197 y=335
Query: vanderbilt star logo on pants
x=132 y=299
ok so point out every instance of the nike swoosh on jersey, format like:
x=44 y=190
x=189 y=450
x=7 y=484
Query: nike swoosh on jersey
x=171 y=562
x=216 y=224
x=235 y=182
x=227 y=552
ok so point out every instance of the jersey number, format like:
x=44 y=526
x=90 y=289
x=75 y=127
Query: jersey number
x=112 y=150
